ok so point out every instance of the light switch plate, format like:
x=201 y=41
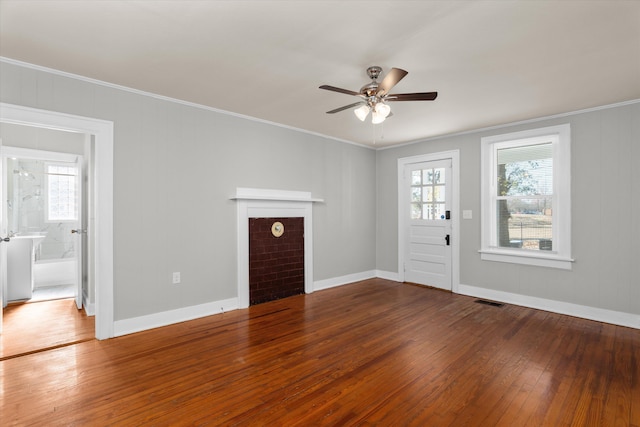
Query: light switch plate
x=467 y=214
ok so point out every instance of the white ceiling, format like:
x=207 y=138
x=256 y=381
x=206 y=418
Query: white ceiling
x=492 y=62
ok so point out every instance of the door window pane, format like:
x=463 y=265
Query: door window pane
x=438 y=193
x=427 y=186
x=416 y=178
x=416 y=210
x=429 y=194
x=416 y=194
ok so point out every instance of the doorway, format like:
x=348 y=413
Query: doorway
x=45 y=214
x=428 y=226
x=102 y=201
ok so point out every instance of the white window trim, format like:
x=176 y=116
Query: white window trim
x=560 y=257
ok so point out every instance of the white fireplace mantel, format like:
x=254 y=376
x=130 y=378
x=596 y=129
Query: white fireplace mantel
x=277 y=195
x=263 y=203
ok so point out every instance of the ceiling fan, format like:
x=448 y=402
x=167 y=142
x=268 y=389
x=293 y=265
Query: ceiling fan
x=376 y=95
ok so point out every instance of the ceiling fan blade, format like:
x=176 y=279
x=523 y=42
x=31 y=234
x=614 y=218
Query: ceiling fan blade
x=419 y=96
x=346 y=107
x=337 y=89
x=390 y=80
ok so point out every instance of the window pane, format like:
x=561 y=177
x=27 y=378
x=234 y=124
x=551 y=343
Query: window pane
x=525 y=170
x=416 y=177
x=438 y=193
x=525 y=223
x=428 y=176
x=428 y=194
x=427 y=211
x=416 y=194
x=62 y=193
x=416 y=211
x=438 y=176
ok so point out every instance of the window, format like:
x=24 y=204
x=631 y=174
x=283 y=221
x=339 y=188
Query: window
x=526 y=197
x=62 y=197
x=428 y=193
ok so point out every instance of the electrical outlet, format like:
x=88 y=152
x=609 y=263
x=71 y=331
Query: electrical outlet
x=176 y=277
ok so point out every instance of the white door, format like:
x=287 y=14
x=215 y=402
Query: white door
x=427 y=256
x=65 y=182
x=80 y=232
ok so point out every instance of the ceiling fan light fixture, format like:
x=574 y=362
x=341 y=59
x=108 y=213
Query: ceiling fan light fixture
x=362 y=112
x=383 y=109
x=377 y=118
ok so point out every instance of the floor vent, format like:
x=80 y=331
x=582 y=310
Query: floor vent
x=491 y=303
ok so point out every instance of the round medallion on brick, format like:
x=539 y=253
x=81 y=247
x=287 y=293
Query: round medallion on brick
x=277 y=229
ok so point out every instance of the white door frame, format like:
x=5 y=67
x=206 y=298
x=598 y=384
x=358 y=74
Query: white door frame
x=103 y=201
x=403 y=222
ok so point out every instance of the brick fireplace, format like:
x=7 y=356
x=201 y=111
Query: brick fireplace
x=288 y=207
x=276 y=258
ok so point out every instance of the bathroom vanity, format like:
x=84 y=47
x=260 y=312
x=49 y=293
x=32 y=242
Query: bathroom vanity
x=20 y=260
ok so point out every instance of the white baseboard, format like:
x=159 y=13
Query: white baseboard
x=155 y=320
x=343 y=280
x=592 y=313
x=89 y=308
x=388 y=275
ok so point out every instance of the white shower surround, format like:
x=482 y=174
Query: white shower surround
x=262 y=203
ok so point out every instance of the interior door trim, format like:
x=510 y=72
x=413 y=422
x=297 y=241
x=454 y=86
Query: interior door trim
x=103 y=133
x=454 y=156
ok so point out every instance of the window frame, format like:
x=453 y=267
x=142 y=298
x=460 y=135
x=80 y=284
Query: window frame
x=560 y=256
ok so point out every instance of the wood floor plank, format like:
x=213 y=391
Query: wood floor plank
x=30 y=327
x=371 y=353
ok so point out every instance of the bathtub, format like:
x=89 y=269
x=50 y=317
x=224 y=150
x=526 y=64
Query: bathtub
x=54 y=272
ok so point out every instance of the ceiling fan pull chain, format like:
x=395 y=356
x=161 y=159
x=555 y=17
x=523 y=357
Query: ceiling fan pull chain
x=373 y=131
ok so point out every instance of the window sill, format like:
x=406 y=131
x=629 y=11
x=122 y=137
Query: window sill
x=518 y=257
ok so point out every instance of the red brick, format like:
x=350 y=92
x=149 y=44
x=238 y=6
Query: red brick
x=276 y=264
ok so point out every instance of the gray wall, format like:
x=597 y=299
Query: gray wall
x=605 y=154
x=175 y=167
x=41 y=139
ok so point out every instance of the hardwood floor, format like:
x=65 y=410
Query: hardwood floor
x=31 y=327
x=371 y=353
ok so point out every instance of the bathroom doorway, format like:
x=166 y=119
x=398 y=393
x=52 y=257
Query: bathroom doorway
x=45 y=210
x=45 y=213
x=101 y=202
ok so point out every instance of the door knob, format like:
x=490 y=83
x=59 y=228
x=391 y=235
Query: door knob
x=79 y=231
x=4 y=239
